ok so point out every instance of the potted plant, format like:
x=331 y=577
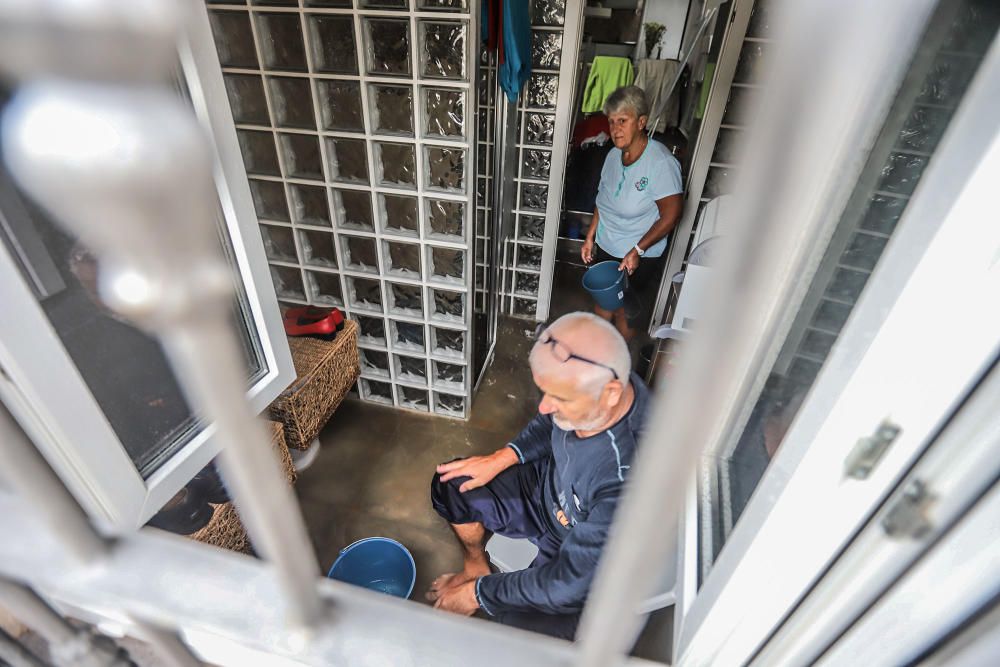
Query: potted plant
x=653 y=32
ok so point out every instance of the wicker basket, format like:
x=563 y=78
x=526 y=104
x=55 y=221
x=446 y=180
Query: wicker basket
x=326 y=371
x=225 y=529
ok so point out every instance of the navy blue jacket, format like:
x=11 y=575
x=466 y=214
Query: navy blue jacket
x=583 y=480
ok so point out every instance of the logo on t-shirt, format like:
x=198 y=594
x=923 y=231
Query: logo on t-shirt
x=641 y=184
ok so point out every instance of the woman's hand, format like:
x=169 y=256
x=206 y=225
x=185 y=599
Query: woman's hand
x=480 y=469
x=630 y=262
x=587 y=251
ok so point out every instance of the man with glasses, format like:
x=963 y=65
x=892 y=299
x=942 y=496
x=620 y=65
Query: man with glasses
x=556 y=484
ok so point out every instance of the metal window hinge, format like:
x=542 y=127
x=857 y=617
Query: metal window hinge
x=907 y=516
x=869 y=450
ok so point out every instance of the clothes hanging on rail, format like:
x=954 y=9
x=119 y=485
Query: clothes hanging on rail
x=507 y=29
x=654 y=77
x=607 y=74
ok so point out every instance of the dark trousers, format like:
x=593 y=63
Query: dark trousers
x=509 y=505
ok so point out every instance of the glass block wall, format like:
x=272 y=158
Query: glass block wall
x=487 y=115
x=533 y=176
x=352 y=116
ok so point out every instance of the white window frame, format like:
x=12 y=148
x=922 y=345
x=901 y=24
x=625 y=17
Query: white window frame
x=942 y=254
x=46 y=392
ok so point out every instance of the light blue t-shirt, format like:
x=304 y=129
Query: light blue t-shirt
x=627 y=196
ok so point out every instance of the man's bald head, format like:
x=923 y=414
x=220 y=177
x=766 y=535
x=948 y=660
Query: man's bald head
x=586 y=335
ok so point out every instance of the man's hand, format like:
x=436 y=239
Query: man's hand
x=630 y=262
x=481 y=469
x=587 y=251
x=459 y=599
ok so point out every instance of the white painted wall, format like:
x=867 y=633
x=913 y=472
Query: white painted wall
x=672 y=14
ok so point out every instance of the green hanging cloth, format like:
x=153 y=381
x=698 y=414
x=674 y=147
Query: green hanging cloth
x=607 y=74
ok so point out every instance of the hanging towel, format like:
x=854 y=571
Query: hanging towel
x=654 y=76
x=607 y=74
x=515 y=58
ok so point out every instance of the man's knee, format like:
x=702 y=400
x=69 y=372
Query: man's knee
x=448 y=501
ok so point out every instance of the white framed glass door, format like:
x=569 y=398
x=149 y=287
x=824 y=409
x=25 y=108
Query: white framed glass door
x=891 y=331
x=97 y=394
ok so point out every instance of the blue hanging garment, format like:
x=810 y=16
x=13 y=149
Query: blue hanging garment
x=515 y=59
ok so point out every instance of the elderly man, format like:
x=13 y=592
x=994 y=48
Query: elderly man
x=556 y=484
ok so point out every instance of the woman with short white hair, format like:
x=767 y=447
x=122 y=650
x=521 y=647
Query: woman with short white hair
x=639 y=201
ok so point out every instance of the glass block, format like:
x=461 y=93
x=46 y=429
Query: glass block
x=727 y=146
x=302 y=156
x=404 y=259
x=847 y=285
x=548 y=12
x=531 y=228
x=291 y=102
x=864 y=251
x=343 y=4
x=324 y=288
x=347 y=160
x=923 y=129
x=542 y=91
x=275 y=3
x=359 y=253
x=752 y=62
x=720 y=181
x=446 y=264
x=233 y=39
x=352 y=209
x=817 y=344
x=449 y=404
x=446 y=219
x=371 y=330
x=947 y=80
x=442 y=53
x=831 y=316
x=398 y=213
x=539 y=128
x=333 y=47
x=535 y=164
x=375 y=391
x=259 y=155
x=317 y=248
x=546 y=47
x=281 y=45
x=445 y=168
x=279 y=243
x=406 y=299
x=246 y=99
x=374 y=362
x=760 y=20
x=364 y=293
x=269 y=200
x=340 y=105
x=407 y=336
x=387 y=46
x=309 y=205
x=448 y=342
x=449 y=376
x=524 y=308
x=482 y=192
x=740 y=106
x=444 y=111
x=534 y=196
x=901 y=173
x=410 y=369
x=526 y=283
x=287 y=282
x=397 y=164
x=883 y=213
x=448 y=306
x=412 y=398
x=392 y=109
x=529 y=257
x=443 y=5
x=973 y=27
x=384 y=4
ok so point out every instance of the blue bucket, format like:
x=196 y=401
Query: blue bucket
x=606 y=284
x=378 y=564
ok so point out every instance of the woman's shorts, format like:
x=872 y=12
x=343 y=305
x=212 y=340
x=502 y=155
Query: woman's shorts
x=649 y=268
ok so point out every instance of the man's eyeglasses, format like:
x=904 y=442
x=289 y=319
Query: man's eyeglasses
x=564 y=354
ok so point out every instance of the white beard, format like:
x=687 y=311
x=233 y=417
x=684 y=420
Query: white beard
x=588 y=425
